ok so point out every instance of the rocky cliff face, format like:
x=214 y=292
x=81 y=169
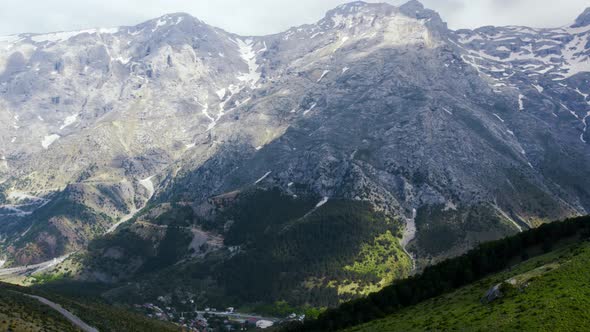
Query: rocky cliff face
x=460 y=136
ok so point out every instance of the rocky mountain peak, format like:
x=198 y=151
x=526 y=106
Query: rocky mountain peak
x=357 y=8
x=583 y=19
x=432 y=19
x=171 y=21
x=360 y=12
x=413 y=5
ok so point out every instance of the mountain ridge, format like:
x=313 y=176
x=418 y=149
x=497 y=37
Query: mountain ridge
x=464 y=136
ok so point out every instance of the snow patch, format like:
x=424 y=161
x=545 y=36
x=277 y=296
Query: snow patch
x=122 y=60
x=539 y=88
x=48 y=140
x=322 y=202
x=205 y=112
x=148 y=184
x=161 y=22
x=69 y=121
x=576 y=61
x=316 y=34
x=263 y=49
x=247 y=53
x=310 y=109
x=221 y=93
x=571 y=112
x=499 y=118
x=263 y=177
x=63 y=36
x=323 y=75
x=585 y=95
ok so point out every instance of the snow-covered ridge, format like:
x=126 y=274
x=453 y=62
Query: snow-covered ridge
x=560 y=52
x=169 y=19
x=63 y=36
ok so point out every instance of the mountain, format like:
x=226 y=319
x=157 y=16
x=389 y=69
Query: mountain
x=312 y=166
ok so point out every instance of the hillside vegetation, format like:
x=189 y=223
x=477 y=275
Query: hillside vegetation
x=21 y=313
x=294 y=250
x=547 y=293
x=449 y=276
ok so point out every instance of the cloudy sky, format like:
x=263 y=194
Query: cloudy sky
x=257 y=17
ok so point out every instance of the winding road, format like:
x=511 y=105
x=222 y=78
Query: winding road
x=31 y=269
x=68 y=315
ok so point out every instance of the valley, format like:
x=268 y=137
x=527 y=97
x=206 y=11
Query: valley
x=287 y=173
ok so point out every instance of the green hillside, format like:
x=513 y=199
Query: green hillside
x=291 y=251
x=551 y=293
x=18 y=312
x=541 y=272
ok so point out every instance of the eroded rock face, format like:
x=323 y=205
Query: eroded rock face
x=493 y=294
x=583 y=20
x=373 y=102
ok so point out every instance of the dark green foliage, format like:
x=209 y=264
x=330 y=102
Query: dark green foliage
x=449 y=275
x=288 y=251
x=279 y=259
x=92 y=310
x=440 y=229
x=546 y=293
x=261 y=212
x=178 y=215
x=133 y=244
x=172 y=248
x=19 y=313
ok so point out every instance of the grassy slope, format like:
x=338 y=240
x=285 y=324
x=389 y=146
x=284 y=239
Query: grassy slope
x=20 y=313
x=557 y=298
x=25 y=314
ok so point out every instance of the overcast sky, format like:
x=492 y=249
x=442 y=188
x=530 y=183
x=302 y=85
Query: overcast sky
x=258 y=17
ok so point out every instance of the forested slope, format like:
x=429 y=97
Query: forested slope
x=452 y=274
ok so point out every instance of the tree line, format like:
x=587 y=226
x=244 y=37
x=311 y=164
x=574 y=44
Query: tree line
x=486 y=259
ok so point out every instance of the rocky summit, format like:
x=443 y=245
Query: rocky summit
x=231 y=153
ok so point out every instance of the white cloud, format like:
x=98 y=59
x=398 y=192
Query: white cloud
x=256 y=17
